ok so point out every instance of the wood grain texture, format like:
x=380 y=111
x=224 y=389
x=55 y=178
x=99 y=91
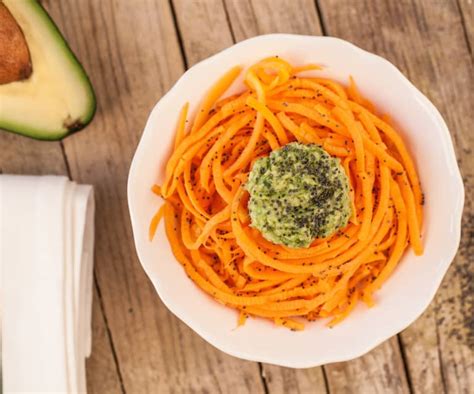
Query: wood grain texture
x=420 y=344
x=249 y=18
x=467 y=17
x=425 y=39
x=102 y=358
x=379 y=371
x=22 y=155
x=203 y=27
x=281 y=380
x=133 y=59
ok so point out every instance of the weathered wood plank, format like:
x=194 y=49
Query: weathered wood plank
x=22 y=155
x=101 y=362
x=249 y=18
x=281 y=380
x=380 y=371
x=132 y=60
x=203 y=27
x=420 y=345
x=426 y=40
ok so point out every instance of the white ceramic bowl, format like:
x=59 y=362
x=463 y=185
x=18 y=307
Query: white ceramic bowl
x=412 y=286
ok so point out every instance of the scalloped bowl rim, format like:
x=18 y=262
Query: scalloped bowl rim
x=227 y=342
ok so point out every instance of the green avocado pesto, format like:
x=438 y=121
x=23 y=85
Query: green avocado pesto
x=298 y=193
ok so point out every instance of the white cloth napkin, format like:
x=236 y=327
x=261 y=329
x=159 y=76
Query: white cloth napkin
x=46 y=250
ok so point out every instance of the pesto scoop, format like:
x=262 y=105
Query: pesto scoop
x=298 y=193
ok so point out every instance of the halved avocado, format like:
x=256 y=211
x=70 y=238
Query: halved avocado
x=44 y=91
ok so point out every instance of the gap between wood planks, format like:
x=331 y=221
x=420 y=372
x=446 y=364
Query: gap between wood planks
x=321 y=19
x=178 y=35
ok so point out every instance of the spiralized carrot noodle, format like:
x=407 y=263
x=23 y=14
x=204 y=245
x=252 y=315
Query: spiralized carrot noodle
x=205 y=203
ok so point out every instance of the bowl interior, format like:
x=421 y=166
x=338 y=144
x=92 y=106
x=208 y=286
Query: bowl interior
x=404 y=296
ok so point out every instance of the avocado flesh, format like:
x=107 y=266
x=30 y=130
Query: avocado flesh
x=57 y=98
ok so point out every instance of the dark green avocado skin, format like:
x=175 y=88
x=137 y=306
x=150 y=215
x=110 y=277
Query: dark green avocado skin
x=77 y=125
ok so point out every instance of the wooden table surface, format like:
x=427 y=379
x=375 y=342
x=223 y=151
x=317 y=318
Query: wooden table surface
x=134 y=50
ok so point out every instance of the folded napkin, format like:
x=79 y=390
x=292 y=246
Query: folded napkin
x=46 y=250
